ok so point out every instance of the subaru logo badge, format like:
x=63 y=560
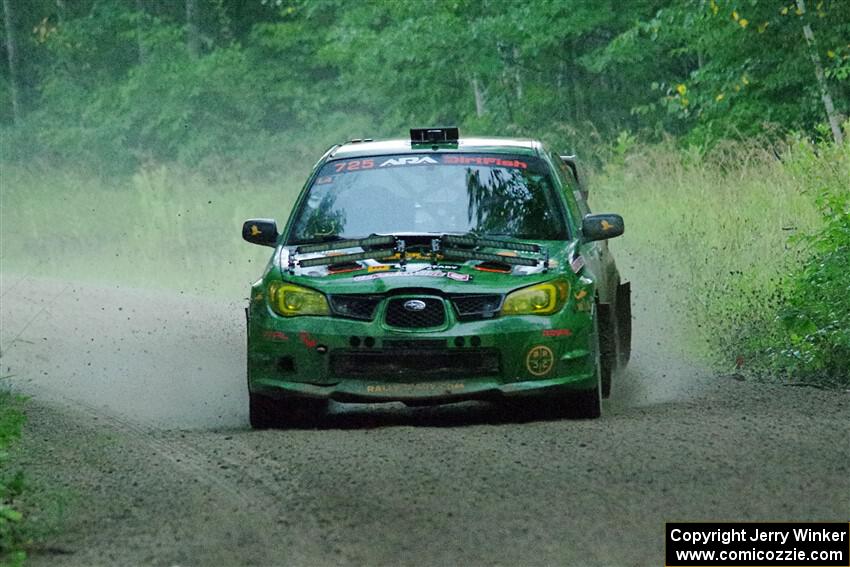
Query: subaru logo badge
x=415 y=305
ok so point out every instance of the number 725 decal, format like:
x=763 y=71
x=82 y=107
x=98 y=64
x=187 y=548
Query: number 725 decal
x=354 y=165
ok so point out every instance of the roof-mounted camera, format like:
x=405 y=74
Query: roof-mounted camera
x=434 y=135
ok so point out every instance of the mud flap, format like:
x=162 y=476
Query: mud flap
x=624 y=322
x=607 y=345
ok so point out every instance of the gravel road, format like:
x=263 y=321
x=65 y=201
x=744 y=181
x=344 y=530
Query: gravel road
x=138 y=451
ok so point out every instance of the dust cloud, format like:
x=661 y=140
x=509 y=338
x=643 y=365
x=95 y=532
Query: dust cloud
x=177 y=360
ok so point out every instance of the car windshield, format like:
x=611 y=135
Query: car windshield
x=485 y=194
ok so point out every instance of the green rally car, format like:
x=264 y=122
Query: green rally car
x=436 y=269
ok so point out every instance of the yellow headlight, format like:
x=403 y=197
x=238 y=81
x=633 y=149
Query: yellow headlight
x=540 y=299
x=291 y=300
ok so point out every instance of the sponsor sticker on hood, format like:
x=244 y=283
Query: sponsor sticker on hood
x=421 y=274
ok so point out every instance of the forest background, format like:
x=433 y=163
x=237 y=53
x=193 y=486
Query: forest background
x=137 y=134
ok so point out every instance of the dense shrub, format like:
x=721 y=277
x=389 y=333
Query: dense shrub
x=792 y=322
x=747 y=246
x=11 y=484
x=815 y=312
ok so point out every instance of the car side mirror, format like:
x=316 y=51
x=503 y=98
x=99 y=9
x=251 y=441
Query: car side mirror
x=602 y=226
x=260 y=231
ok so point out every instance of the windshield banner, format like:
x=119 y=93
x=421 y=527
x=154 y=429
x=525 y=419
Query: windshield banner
x=383 y=162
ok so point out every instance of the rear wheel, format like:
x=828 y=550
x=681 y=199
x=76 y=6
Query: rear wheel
x=265 y=412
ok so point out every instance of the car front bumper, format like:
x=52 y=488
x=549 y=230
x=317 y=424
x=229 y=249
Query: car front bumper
x=374 y=391
x=359 y=361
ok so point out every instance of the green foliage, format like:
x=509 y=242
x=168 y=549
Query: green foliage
x=816 y=335
x=11 y=484
x=736 y=69
x=751 y=244
x=791 y=321
x=112 y=88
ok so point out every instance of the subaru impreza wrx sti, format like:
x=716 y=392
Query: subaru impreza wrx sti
x=436 y=269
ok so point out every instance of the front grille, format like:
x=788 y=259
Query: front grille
x=478 y=306
x=414 y=344
x=456 y=363
x=433 y=314
x=355 y=306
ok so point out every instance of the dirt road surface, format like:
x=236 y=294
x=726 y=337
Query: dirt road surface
x=138 y=448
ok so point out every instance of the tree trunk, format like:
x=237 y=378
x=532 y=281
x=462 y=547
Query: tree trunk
x=837 y=135
x=479 y=97
x=143 y=52
x=578 y=86
x=193 y=39
x=517 y=74
x=224 y=22
x=575 y=111
x=61 y=11
x=12 y=53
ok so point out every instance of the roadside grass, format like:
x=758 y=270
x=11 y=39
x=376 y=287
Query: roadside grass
x=724 y=237
x=161 y=227
x=12 y=531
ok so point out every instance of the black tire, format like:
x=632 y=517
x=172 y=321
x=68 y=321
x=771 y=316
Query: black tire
x=260 y=411
x=586 y=404
x=265 y=412
x=608 y=342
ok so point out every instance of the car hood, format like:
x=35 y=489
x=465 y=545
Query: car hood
x=445 y=276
